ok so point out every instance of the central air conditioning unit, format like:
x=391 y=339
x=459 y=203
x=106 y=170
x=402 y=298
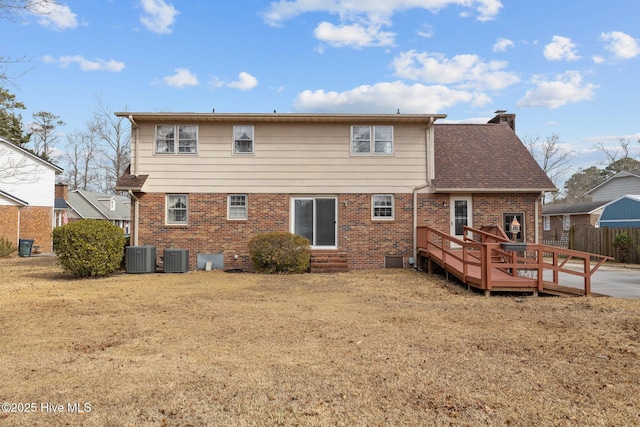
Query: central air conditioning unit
x=140 y=259
x=176 y=261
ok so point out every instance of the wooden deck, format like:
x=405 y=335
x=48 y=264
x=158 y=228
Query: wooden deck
x=480 y=261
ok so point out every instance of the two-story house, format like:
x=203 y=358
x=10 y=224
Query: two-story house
x=26 y=196
x=355 y=185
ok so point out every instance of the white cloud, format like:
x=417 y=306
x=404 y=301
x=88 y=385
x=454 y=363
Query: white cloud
x=245 y=82
x=283 y=10
x=622 y=45
x=564 y=89
x=502 y=44
x=387 y=97
x=426 y=31
x=182 y=77
x=361 y=21
x=561 y=48
x=465 y=71
x=158 y=16
x=57 y=16
x=85 y=64
x=597 y=59
x=353 y=35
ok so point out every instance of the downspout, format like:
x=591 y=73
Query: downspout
x=134 y=125
x=136 y=205
x=134 y=171
x=537 y=217
x=430 y=174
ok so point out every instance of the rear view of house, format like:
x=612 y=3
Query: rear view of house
x=356 y=186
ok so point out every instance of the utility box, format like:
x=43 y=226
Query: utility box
x=176 y=261
x=140 y=259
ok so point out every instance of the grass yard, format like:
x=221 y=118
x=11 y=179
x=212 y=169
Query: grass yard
x=372 y=348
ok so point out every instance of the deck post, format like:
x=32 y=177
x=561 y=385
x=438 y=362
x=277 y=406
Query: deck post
x=587 y=276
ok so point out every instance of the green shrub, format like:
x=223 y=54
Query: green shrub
x=89 y=248
x=280 y=252
x=6 y=247
x=623 y=243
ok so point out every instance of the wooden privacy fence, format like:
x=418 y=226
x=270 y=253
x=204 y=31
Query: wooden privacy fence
x=600 y=241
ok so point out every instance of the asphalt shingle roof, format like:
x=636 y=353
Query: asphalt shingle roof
x=489 y=157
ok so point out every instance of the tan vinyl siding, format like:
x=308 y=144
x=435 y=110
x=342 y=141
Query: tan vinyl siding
x=287 y=158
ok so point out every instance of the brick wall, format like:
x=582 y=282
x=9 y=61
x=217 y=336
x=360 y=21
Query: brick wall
x=9 y=223
x=366 y=241
x=36 y=224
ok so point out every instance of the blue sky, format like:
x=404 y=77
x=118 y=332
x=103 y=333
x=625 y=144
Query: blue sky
x=569 y=68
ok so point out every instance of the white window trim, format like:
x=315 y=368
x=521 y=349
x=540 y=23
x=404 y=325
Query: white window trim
x=166 y=209
x=253 y=142
x=246 y=207
x=546 y=223
x=176 y=141
x=372 y=141
x=566 y=222
x=373 y=208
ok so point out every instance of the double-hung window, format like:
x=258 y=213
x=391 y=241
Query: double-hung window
x=371 y=140
x=243 y=140
x=383 y=206
x=237 y=206
x=176 y=139
x=177 y=208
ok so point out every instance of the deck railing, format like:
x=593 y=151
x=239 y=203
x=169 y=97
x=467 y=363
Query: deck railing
x=483 y=249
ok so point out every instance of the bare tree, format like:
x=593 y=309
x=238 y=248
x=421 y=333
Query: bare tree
x=115 y=144
x=11 y=10
x=81 y=158
x=618 y=158
x=551 y=156
x=14 y=169
x=44 y=133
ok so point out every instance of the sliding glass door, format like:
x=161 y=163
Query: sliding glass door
x=315 y=219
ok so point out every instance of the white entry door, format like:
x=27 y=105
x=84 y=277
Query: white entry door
x=460 y=211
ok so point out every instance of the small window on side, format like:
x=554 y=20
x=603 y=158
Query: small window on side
x=383 y=206
x=177 y=208
x=237 y=206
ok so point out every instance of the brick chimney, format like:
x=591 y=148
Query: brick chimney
x=502 y=117
x=62 y=191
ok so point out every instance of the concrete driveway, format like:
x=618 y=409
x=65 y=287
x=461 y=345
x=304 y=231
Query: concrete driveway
x=614 y=281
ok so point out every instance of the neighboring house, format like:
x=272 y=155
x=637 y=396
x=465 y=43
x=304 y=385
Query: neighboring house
x=26 y=196
x=623 y=212
x=621 y=184
x=355 y=185
x=83 y=204
x=558 y=218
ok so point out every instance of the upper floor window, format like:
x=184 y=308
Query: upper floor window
x=367 y=140
x=176 y=139
x=177 y=205
x=243 y=140
x=383 y=206
x=237 y=204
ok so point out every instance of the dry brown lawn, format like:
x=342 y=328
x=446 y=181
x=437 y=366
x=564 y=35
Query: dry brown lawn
x=372 y=348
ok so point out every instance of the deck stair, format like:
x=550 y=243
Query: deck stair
x=329 y=262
